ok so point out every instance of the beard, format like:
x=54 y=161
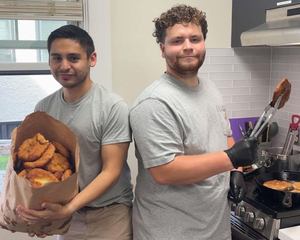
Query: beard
x=186 y=68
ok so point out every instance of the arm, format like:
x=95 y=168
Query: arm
x=191 y=169
x=113 y=157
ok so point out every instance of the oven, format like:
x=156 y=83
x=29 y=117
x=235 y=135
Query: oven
x=260 y=217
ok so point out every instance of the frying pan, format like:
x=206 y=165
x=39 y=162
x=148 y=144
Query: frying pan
x=287 y=198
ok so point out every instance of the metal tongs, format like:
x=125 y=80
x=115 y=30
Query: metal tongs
x=267 y=116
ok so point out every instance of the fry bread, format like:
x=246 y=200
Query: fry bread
x=278 y=185
x=43 y=160
x=41 y=139
x=58 y=163
x=296 y=186
x=295 y=191
x=66 y=174
x=33 y=148
x=61 y=149
x=38 y=177
x=52 y=165
x=284 y=89
x=58 y=175
x=23 y=173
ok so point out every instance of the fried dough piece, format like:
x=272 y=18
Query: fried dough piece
x=278 y=185
x=23 y=173
x=283 y=88
x=38 y=177
x=41 y=139
x=58 y=163
x=296 y=186
x=43 y=160
x=58 y=175
x=295 y=191
x=66 y=174
x=61 y=149
x=33 y=148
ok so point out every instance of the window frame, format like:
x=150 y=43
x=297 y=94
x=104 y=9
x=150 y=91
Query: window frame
x=32 y=68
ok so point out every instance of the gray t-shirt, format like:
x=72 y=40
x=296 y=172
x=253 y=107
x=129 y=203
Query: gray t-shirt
x=168 y=119
x=99 y=118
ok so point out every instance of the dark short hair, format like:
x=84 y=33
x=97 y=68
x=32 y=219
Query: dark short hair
x=178 y=14
x=75 y=33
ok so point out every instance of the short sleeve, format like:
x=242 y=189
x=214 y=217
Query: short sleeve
x=224 y=120
x=157 y=132
x=116 y=128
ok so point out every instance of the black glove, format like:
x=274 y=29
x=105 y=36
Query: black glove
x=237 y=187
x=244 y=152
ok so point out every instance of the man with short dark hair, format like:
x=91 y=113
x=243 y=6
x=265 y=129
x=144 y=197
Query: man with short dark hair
x=99 y=118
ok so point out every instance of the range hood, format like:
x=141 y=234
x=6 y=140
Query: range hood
x=282 y=28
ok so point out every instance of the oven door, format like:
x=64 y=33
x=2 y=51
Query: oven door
x=241 y=231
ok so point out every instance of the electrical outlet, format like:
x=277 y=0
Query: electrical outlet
x=297 y=138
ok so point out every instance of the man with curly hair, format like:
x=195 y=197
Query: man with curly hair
x=183 y=142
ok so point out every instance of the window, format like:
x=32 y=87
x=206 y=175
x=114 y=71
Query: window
x=25 y=40
x=25 y=77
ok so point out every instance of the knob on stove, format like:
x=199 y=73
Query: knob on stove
x=239 y=211
x=233 y=205
x=259 y=223
x=249 y=217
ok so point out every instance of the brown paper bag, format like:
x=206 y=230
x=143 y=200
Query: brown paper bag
x=18 y=191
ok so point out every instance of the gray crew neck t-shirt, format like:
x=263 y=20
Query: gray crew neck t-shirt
x=99 y=118
x=168 y=119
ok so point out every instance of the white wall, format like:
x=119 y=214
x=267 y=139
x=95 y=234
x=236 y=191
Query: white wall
x=100 y=31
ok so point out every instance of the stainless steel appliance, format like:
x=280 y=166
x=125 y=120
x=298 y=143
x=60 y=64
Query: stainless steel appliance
x=261 y=217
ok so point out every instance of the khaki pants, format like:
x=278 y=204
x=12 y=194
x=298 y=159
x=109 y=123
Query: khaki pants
x=108 y=223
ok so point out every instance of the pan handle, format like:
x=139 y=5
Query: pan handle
x=287 y=200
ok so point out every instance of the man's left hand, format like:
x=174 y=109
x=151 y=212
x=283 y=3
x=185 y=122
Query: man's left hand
x=50 y=212
x=237 y=187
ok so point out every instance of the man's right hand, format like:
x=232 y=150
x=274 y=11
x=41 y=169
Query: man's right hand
x=244 y=152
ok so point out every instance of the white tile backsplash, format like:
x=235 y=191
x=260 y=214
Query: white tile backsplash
x=232 y=91
x=252 y=67
x=264 y=89
x=286 y=63
x=217 y=68
x=261 y=59
x=260 y=75
x=220 y=52
x=263 y=82
x=247 y=78
x=229 y=75
x=230 y=59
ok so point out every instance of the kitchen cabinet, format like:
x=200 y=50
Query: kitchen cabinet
x=248 y=14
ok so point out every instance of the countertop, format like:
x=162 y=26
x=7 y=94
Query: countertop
x=292 y=233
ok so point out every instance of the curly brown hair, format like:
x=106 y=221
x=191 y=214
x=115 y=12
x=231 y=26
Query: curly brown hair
x=178 y=14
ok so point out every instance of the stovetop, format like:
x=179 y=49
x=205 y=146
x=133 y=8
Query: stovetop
x=269 y=205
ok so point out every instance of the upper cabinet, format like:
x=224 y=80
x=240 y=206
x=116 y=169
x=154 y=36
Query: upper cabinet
x=264 y=19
